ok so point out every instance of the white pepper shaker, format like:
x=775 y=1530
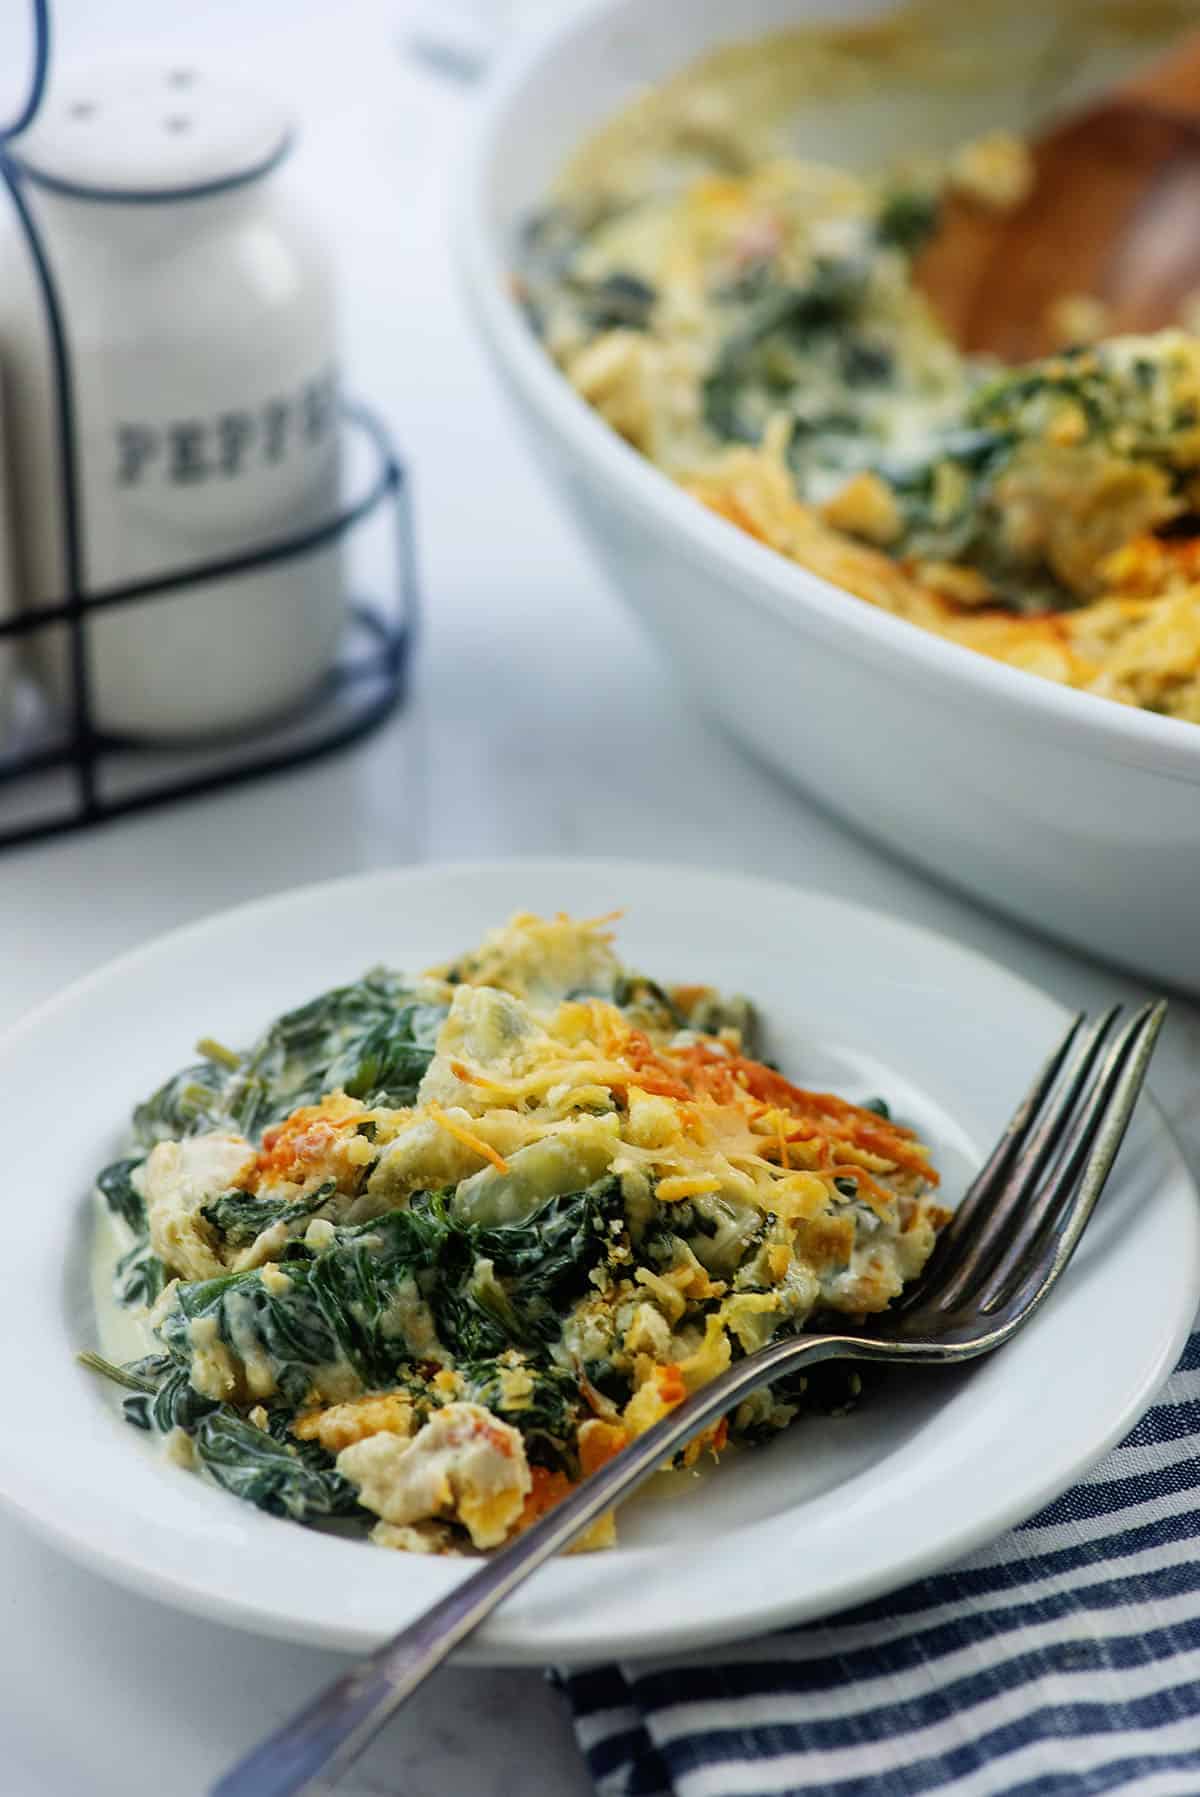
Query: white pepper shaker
x=199 y=316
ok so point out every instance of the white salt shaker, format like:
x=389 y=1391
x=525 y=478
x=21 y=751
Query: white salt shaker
x=199 y=315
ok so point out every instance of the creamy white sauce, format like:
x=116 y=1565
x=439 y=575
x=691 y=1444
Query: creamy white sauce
x=122 y=1331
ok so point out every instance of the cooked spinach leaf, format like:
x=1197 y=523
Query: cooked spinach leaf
x=266 y=1467
x=139 y=1276
x=547 y=1258
x=943 y=493
x=609 y=1381
x=644 y=997
x=286 y=1478
x=177 y=1404
x=116 y=1187
x=720 y=1232
x=764 y=358
x=711 y=1012
x=285 y=1331
x=866 y=364
x=372 y=1038
x=137 y=1376
x=239 y=1218
x=618 y=301
x=162 y=1397
x=365 y=1285
x=510 y=1285
x=387 y=1063
x=191 y=1102
x=551 y=239
x=907 y=220
x=548 y=1415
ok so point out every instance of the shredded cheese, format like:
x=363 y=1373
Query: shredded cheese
x=669 y=1190
x=467 y=1137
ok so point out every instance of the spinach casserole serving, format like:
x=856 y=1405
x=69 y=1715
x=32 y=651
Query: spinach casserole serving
x=752 y=322
x=431 y=1251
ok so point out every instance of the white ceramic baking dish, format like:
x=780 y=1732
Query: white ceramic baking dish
x=1075 y=814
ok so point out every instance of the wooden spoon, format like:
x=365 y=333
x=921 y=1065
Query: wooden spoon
x=1114 y=213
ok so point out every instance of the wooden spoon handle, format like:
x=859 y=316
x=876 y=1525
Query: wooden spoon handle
x=1171 y=85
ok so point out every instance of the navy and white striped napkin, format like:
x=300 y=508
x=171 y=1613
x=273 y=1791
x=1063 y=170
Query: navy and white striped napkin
x=1062 y=1661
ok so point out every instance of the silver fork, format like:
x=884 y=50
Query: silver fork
x=994 y=1265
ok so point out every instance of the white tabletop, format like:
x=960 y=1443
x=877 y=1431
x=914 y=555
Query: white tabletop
x=523 y=737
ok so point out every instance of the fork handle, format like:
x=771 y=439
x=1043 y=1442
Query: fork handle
x=327 y=1735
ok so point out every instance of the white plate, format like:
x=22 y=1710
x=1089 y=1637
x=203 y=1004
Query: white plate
x=833 y=1512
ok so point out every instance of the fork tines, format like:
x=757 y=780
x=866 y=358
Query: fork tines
x=1022 y=1216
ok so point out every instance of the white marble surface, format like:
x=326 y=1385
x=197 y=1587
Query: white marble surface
x=541 y=723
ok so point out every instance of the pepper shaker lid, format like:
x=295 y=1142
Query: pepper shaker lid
x=151 y=132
